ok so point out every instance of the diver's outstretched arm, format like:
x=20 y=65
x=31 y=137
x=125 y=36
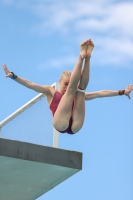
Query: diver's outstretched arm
x=108 y=93
x=46 y=89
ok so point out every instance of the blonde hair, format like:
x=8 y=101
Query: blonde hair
x=65 y=73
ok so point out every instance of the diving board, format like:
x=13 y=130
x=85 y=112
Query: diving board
x=27 y=170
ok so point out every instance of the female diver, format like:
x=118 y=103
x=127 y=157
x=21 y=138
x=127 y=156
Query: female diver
x=68 y=102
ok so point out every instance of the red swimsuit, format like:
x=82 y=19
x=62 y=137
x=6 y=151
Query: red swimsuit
x=53 y=106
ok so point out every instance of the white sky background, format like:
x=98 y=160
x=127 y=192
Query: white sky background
x=39 y=39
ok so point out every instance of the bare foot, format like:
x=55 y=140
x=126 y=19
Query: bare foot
x=83 y=49
x=90 y=47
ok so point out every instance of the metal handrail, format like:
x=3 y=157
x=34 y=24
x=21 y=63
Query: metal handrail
x=22 y=108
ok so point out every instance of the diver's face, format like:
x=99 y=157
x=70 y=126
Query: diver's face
x=64 y=82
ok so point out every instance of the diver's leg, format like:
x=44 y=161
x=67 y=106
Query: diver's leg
x=64 y=110
x=79 y=108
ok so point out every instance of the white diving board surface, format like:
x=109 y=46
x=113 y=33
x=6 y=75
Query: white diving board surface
x=27 y=170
